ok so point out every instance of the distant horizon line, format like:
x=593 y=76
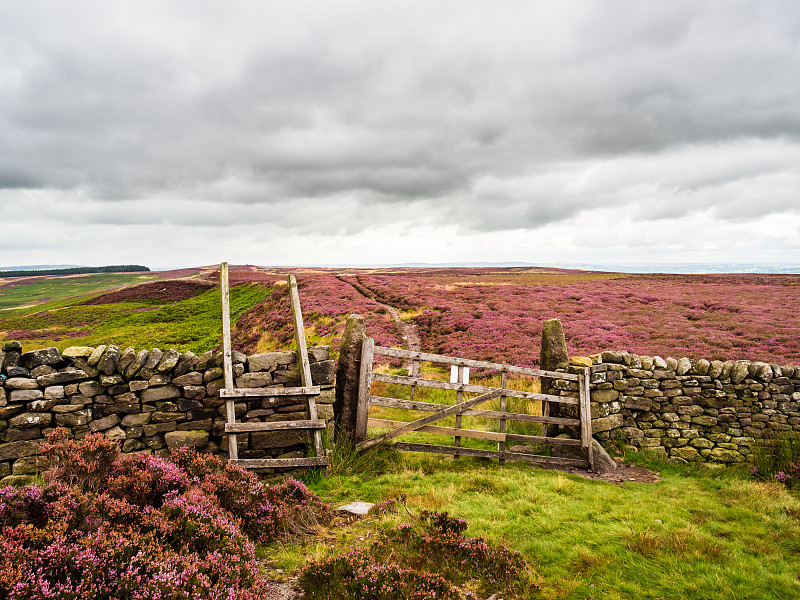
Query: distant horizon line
x=688 y=268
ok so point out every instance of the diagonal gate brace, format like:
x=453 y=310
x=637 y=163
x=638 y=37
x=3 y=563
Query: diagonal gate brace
x=437 y=416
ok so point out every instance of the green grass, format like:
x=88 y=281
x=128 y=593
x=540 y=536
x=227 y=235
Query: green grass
x=194 y=324
x=694 y=534
x=58 y=288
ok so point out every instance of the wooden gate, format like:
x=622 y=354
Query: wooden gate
x=469 y=407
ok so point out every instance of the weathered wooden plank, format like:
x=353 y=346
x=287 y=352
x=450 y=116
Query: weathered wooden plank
x=274 y=426
x=546 y=412
x=465 y=362
x=302 y=357
x=414 y=373
x=445 y=385
x=268 y=392
x=364 y=387
x=586 y=417
x=278 y=463
x=501 y=447
x=538 y=439
x=459 y=400
x=441 y=414
x=471 y=412
x=227 y=358
x=470 y=433
x=513 y=456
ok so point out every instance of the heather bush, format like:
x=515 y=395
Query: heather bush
x=428 y=557
x=85 y=463
x=140 y=527
x=359 y=576
x=145 y=480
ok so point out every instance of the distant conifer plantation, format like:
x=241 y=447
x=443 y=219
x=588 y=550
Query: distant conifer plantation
x=75 y=271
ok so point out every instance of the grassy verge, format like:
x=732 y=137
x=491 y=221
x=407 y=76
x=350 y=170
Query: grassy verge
x=694 y=534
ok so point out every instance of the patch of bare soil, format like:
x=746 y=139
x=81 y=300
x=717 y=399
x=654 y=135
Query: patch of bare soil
x=624 y=472
x=160 y=291
x=283 y=590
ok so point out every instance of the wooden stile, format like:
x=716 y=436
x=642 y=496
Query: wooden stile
x=269 y=392
x=230 y=393
x=274 y=426
x=281 y=463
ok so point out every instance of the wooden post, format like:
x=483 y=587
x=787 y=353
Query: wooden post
x=586 y=417
x=501 y=446
x=459 y=400
x=364 y=388
x=302 y=359
x=414 y=373
x=227 y=358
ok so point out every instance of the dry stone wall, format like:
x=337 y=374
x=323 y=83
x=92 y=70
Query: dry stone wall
x=149 y=400
x=690 y=410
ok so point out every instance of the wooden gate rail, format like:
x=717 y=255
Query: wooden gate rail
x=306 y=391
x=468 y=387
x=472 y=412
x=466 y=408
x=466 y=362
x=535 y=459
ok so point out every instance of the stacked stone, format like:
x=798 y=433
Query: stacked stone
x=692 y=410
x=151 y=401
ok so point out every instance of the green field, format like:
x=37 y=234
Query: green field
x=57 y=288
x=194 y=324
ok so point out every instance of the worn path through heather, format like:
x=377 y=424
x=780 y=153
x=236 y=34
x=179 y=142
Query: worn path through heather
x=408 y=331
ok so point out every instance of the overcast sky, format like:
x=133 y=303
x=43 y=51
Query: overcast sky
x=183 y=133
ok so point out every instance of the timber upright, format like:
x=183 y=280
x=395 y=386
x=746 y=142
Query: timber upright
x=307 y=391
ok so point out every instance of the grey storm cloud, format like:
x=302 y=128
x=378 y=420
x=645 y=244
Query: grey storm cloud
x=493 y=116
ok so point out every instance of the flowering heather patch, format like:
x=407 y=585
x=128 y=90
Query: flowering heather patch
x=141 y=527
x=161 y=292
x=498 y=314
x=359 y=576
x=326 y=301
x=429 y=558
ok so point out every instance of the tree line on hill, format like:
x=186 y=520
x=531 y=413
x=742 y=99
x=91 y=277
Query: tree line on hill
x=76 y=271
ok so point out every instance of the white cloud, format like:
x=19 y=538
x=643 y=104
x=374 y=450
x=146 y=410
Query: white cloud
x=468 y=127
